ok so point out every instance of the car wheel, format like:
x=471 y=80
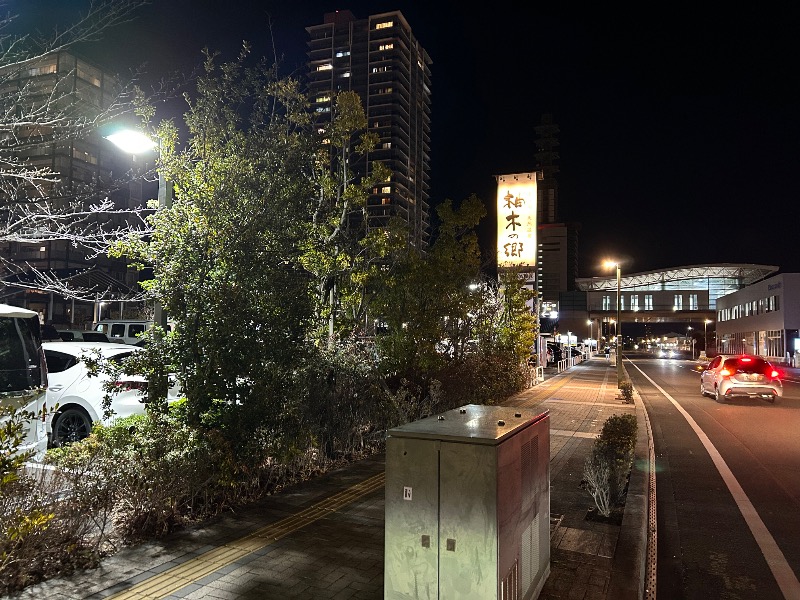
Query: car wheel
x=71 y=425
x=717 y=396
x=702 y=389
x=772 y=398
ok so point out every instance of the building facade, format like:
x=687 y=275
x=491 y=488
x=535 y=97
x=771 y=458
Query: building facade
x=686 y=296
x=79 y=89
x=763 y=319
x=379 y=58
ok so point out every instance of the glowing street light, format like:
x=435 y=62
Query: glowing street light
x=609 y=264
x=135 y=142
x=589 y=322
x=705 y=335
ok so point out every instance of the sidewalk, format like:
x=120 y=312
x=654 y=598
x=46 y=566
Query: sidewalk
x=325 y=538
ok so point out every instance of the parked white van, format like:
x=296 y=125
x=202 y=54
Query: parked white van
x=123 y=330
x=128 y=331
x=23 y=374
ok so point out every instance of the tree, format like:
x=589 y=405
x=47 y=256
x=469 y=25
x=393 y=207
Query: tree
x=427 y=301
x=35 y=205
x=344 y=256
x=226 y=256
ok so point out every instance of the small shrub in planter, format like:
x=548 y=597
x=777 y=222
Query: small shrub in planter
x=606 y=472
x=626 y=390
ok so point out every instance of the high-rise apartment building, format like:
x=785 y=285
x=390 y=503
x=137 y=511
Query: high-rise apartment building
x=380 y=59
x=557 y=256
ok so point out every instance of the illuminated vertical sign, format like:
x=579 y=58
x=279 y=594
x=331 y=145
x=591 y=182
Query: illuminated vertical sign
x=516 y=220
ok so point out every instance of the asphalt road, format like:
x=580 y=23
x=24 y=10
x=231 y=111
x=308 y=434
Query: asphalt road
x=727 y=487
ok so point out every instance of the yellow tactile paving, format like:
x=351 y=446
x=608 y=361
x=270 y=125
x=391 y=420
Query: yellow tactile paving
x=172 y=580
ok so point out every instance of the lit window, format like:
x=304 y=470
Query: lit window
x=384 y=25
x=386 y=145
x=386 y=189
x=385 y=46
x=693 y=302
x=323 y=109
x=42 y=70
x=342 y=53
x=323 y=99
x=386 y=201
x=325 y=67
x=89 y=74
x=648 y=301
x=346 y=74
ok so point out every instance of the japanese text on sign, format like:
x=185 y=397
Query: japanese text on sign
x=516 y=220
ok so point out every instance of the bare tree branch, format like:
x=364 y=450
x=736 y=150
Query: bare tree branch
x=41 y=109
x=89 y=27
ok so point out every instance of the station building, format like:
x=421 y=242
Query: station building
x=730 y=307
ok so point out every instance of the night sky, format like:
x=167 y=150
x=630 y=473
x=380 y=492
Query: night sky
x=680 y=131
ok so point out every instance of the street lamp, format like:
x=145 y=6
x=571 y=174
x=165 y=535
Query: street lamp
x=705 y=336
x=689 y=333
x=135 y=142
x=589 y=322
x=609 y=264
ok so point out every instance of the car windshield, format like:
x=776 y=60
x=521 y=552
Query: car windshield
x=746 y=364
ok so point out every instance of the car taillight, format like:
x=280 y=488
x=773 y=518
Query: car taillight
x=773 y=374
x=725 y=373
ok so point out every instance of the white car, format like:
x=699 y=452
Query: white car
x=80 y=397
x=730 y=375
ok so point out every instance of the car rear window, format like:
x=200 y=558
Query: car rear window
x=118 y=358
x=59 y=361
x=747 y=365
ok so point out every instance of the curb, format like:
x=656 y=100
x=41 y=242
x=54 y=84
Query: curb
x=628 y=572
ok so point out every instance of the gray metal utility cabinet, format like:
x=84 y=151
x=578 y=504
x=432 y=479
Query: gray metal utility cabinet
x=468 y=505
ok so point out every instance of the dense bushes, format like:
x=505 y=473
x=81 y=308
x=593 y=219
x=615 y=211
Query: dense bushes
x=480 y=379
x=145 y=476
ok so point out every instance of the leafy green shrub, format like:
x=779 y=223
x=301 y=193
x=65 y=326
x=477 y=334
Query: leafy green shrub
x=38 y=536
x=480 y=378
x=626 y=389
x=149 y=473
x=608 y=467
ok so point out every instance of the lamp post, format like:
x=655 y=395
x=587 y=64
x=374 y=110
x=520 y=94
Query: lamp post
x=589 y=323
x=616 y=264
x=689 y=333
x=135 y=142
x=705 y=336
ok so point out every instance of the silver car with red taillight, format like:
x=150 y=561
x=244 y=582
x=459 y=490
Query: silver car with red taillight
x=730 y=375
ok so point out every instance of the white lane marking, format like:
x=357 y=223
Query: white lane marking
x=781 y=570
